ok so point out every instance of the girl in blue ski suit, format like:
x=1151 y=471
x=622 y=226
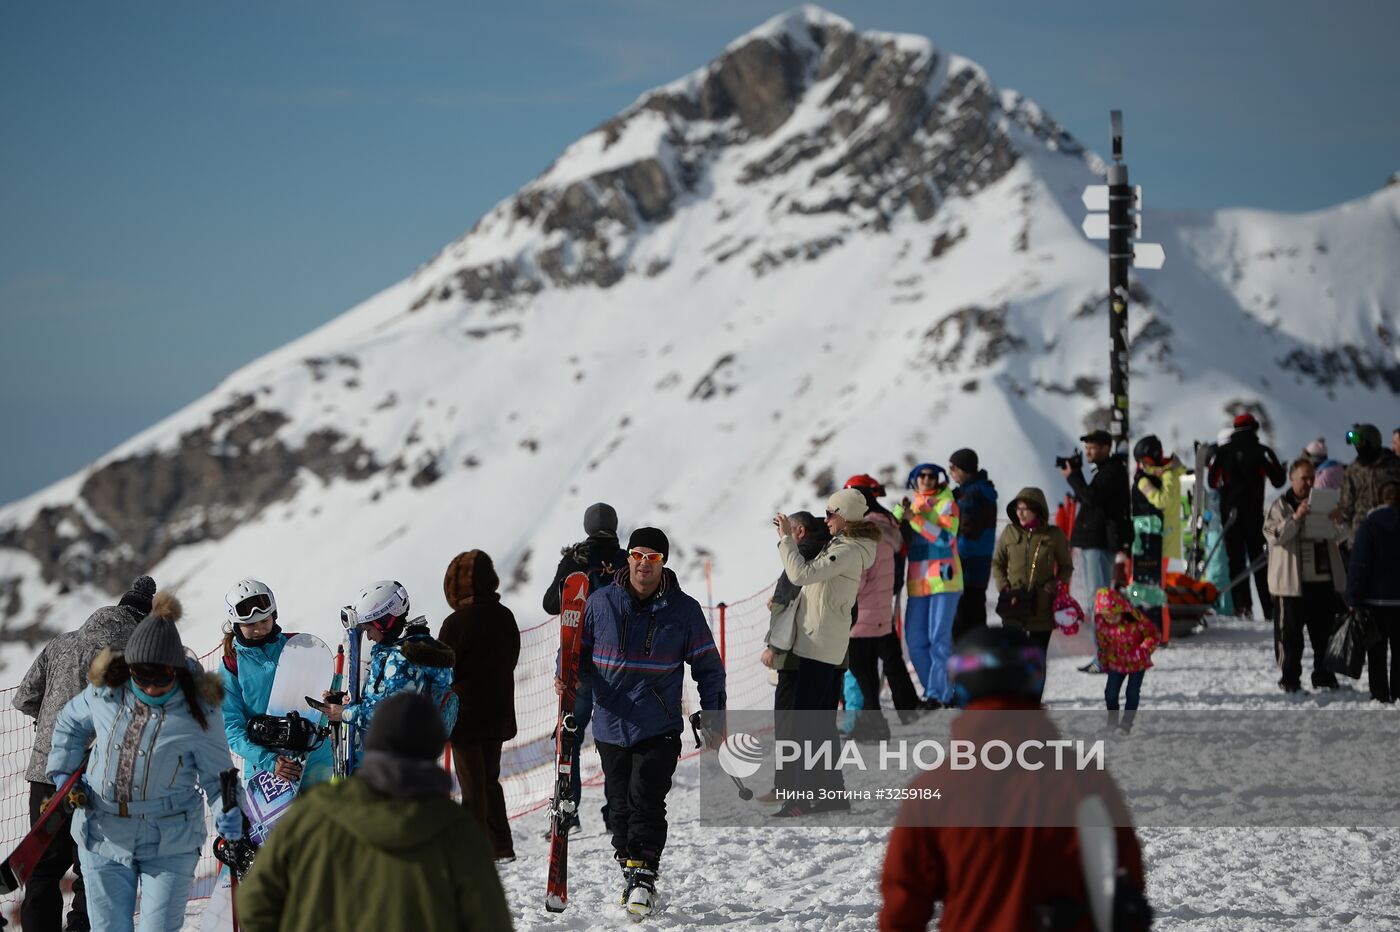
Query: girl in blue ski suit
x=157 y=747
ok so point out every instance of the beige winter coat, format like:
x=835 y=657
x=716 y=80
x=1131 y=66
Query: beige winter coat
x=829 y=582
x=1283 y=532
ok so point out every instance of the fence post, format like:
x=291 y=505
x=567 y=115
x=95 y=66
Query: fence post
x=722 y=607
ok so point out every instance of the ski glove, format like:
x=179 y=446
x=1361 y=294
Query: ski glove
x=230 y=824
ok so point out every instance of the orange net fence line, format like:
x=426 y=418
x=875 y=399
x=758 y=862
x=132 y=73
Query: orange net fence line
x=527 y=761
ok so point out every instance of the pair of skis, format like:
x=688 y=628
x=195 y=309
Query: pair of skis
x=564 y=807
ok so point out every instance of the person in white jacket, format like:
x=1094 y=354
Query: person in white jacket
x=825 y=613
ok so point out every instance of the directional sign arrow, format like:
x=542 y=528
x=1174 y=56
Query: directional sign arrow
x=1148 y=255
x=1095 y=226
x=1095 y=197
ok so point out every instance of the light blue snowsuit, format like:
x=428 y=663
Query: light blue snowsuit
x=245 y=695
x=145 y=815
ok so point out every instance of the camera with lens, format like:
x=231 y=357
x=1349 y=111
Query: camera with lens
x=289 y=734
x=1074 y=461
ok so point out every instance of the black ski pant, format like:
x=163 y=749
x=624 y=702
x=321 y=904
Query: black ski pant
x=1312 y=612
x=818 y=690
x=785 y=724
x=1041 y=639
x=972 y=611
x=1244 y=543
x=43 y=895
x=866 y=655
x=478 y=766
x=1387 y=622
x=636 y=780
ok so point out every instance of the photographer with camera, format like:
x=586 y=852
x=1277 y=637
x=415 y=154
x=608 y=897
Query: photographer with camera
x=1103 y=526
x=253 y=643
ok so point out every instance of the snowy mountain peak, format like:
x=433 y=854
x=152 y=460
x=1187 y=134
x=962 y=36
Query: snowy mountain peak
x=826 y=252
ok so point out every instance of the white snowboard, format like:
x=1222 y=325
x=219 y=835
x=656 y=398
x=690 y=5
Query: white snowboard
x=304 y=668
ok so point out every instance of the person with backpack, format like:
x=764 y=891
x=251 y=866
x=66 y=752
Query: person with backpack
x=1239 y=470
x=601 y=557
x=403 y=656
x=253 y=642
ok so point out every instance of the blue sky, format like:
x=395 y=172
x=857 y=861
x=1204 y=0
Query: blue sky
x=187 y=186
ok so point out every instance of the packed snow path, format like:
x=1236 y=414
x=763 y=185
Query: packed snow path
x=813 y=878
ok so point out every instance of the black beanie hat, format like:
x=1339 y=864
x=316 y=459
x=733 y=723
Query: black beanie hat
x=407 y=724
x=600 y=519
x=143 y=589
x=964 y=459
x=651 y=538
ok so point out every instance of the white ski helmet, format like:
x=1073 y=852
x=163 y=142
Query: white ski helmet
x=249 y=602
x=382 y=604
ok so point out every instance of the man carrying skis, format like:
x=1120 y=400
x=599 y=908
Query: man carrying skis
x=599 y=556
x=59 y=674
x=636 y=637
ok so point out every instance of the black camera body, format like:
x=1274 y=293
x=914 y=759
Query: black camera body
x=1074 y=461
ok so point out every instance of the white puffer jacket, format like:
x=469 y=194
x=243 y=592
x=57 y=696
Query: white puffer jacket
x=830 y=582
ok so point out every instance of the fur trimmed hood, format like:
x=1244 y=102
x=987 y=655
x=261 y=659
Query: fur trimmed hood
x=427 y=651
x=109 y=670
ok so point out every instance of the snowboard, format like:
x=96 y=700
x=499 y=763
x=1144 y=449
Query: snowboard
x=305 y=668
x=570 y=630
x=1098 y=857
x=17 y=868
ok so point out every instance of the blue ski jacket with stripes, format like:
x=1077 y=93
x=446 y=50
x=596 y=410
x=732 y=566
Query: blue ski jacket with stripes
x=632 y=653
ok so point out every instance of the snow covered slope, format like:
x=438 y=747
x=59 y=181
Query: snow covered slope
x=826 y=252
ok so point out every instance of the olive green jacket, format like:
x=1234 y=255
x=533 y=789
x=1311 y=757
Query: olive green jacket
x=1046 y=545
x=347 y=858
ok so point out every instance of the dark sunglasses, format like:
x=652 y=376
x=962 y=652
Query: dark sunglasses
x=928 y=475
x=254 y=603
x=152 y=674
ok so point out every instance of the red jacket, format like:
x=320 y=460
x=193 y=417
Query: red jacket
x=991 y=878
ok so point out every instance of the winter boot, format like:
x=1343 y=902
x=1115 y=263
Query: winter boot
x=1112 y=725
x=639 y=896
x=1324 y=680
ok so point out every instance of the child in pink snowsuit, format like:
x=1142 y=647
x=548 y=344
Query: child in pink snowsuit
x=1126 y=640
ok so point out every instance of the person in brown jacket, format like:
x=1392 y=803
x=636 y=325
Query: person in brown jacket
x=486 y=640
x=1032 y=553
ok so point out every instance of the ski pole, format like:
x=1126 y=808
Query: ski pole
x=744 y=792
x=1229 y=522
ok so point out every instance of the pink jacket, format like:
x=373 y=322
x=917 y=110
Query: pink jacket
x=875 y=598
x=1126 y=639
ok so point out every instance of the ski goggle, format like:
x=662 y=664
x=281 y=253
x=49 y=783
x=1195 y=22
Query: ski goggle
x=642 y=557
x=247 y=608
x=349 y=620
x=152 y=675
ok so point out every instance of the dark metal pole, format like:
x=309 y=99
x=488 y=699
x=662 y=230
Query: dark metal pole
x=1120 y=257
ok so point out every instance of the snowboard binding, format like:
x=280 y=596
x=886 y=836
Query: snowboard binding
x=237 y=856
x=290 y=733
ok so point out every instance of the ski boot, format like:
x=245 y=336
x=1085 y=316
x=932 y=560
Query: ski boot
x=639 y=893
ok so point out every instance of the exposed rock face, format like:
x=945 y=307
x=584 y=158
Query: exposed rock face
x=897 y=130
x=218 y=477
